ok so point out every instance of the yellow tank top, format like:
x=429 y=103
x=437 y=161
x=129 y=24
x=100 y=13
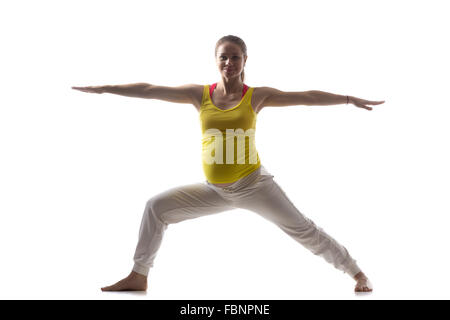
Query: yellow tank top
x=228 y=139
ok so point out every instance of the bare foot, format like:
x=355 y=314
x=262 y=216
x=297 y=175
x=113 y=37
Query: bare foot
x=362 y=283
x=134 y=282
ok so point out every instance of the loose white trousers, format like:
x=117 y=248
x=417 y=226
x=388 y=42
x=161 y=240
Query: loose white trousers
x=257 y=192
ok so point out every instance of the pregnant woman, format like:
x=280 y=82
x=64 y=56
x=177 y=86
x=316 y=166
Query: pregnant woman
x=235 y=177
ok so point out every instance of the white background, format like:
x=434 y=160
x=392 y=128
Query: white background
x=76 y=169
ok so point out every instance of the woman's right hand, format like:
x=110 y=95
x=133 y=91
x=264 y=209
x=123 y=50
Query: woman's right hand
x=91 y=89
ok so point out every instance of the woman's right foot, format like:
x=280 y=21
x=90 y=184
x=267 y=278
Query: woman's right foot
x=134 y=282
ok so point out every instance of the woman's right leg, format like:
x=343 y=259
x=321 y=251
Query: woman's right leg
x=171 y=206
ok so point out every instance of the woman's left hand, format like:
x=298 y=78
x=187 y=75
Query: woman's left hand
x=361 y=103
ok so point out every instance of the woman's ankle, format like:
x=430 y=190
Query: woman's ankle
x=134 y=274
x=360 y=276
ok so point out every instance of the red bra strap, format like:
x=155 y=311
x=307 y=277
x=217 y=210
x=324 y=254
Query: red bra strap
x=211 y=89
x=244 y=90
x=213 y=86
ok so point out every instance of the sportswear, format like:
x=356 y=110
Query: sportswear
x=228 y=138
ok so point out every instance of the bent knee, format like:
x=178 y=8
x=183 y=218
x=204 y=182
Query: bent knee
x=155 y=210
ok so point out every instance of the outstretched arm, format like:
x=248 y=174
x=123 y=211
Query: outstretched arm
x=181 y=94
x=276 y=98
x=137 y=90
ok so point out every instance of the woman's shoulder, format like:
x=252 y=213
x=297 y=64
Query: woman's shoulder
x=260 y=91
x=197 y=94
x=259 y=95
x=264 y=89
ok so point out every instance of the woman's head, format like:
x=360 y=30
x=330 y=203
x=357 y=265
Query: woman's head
x=231 y=55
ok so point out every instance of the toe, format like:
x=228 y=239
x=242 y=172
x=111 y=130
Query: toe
x=108 y=288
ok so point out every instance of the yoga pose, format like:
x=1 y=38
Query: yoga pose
x=235 y=177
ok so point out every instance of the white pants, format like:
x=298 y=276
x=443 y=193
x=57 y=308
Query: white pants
x=257 y=192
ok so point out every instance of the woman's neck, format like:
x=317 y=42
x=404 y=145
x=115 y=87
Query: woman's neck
x=230 y=86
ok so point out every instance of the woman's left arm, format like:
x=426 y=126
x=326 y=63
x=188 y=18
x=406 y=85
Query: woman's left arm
x=275 y=98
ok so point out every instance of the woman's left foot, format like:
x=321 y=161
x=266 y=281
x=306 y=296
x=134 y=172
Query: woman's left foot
x=362 y=283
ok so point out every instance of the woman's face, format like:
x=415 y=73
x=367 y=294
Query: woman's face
x=230 y=60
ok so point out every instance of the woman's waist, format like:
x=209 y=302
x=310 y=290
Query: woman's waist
x=224 y=176
x=241 y=178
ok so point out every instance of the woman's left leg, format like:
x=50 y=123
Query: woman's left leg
x=269 y=201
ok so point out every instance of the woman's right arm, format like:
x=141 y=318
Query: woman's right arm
x=189 y=93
